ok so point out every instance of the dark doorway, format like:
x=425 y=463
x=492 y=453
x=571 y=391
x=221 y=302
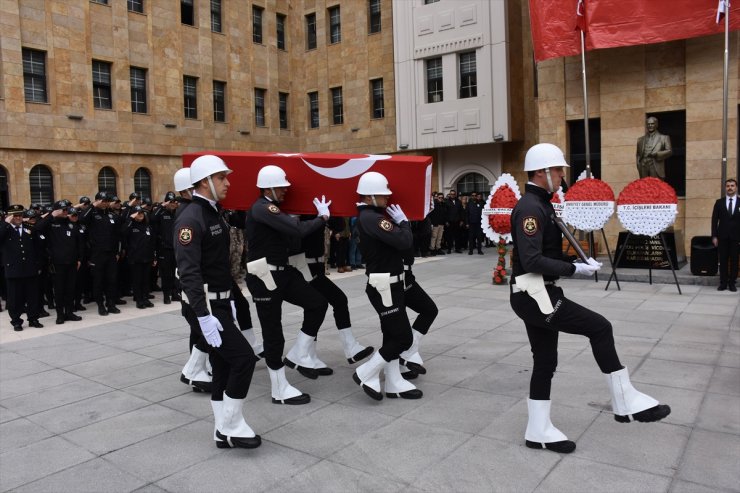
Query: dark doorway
x=576 y=133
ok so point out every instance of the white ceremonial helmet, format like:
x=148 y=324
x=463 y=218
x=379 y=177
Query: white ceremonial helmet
x=543 y=156
x=272 y=176
x=373 y=183
x=205 y=166
x=182 y=180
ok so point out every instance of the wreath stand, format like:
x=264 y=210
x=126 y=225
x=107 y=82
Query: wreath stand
x=591 y=253
x=650 y=265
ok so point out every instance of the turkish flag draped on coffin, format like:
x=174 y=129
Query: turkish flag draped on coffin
x=613 y=23
x=332 y=175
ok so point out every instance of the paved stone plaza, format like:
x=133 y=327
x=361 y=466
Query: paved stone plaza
x=97 y=406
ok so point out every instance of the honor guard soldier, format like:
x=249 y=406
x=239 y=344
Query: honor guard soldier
x=66 y=251
x=138 y=241
x=103 y=230
x=202 y=255
x=382 y=243
x=271 y=234
x=18 y=249
x=164 y=221
x=312 y=248
x=542 y=305
x=195 y=373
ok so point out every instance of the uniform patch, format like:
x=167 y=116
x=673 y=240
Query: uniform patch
x=530 y=225
x=185 y=236
x=273 y=208
x=385 y=225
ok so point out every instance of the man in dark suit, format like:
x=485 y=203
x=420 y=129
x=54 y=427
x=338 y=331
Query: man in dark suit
x=726 y=235
x=19 y=253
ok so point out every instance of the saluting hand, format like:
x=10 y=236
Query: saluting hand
x=396 y=213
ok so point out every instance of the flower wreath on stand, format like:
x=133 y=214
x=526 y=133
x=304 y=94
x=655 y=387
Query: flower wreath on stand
x=496 y=220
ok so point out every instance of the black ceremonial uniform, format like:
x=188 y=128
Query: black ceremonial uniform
x=66 y=252
x=19 y=251
x=138 y=242
x=196 y=336
x=202 y=256
x=83 y=288
x=416 y=298
x=164 y=220
x=538 y=249
x=103 y=230
x=382 y=244
x=272 y=234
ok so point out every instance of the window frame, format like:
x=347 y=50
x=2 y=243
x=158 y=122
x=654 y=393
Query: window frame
x=138 y=91
x=41 y=192
x=377 y=112
x=102 y=89
x=334 y=16
x=106 y=185
x=280 y=22
x=435 y=85
x=257 y=16
x=219 y=101
x=260 y=119
x=135 y=6
x=31 y=76
x=143 y=182
x=283 y=98
x=216 y=18
x=311 y=37
x=374 y=22
x=313 y=110
x=193 y=98
x=187 y=12
x=471 y=89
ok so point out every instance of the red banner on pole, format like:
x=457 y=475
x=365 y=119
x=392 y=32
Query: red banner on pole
x=613 y=23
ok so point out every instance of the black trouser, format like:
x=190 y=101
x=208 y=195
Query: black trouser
x=232 y=362
x=83 y=283
x=568 y=317
x=65 y=276
x=335 y=296
x=452 y=236
x=140 y=281
x=103 y=267
x=293 y=288
x=342 y=250
x=728 y=250
x=167 y=270
x=46 y=285
x=23 y=296
x=419 y=301
x=196 y=335
x=123 y=279
x=394 y=322
x=243 y=315
x=475 y=236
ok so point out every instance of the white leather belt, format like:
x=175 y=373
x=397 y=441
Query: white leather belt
x=315 y=260
x=277 y=267
x=516 y=288
x=219 y=295
x=407 y=268
x=395 y=279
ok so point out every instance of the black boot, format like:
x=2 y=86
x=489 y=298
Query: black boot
x=101 y=310
x=166 y=298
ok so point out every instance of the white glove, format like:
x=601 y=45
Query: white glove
x=587 y=269
x=233 y=310
x=322 y=206
x=210 y=326
x=396 y=213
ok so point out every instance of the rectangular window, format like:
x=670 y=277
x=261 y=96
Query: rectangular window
x=283 y=109
x=280 y=22
x=335 y=25
x=373 y=16
x=219 y=101
x=34 y=75
x=216 y=16
x=101 y=85
x=102 y=2
x=190 y=96
x=337 y=106
x=259 y=107
x=313 y=109
x=187 y=12
x=434 y=80
x=427 y=2
x=376 y=96
x=468 y=76
x=138 y=89
x=311 y=31
x=135 y=6
x=257 y=24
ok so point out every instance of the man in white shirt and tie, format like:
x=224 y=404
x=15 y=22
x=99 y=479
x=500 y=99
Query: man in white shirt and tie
x=726 y=235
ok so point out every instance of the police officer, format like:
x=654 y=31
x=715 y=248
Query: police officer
x=541 y=304
x=139 y=244
x=195 y=372
x=164 y=222
x=270 y=234
x=382 y=243
x=202 y=255
x=103 y=230
x=18 y=248
x=83 y=289
x=45 y=291
x=312 y=247
x=66 y=251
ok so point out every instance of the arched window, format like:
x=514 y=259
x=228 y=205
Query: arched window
x=472 y=182
x=107 y=180
x=4 y=195
x=143 y=183
x=42 y=184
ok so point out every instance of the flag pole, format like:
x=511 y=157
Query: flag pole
x=585 y=102
x=725 y=89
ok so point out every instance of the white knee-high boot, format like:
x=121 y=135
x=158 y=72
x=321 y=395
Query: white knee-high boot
x=396 y=386
x=316 y=363
x=283 y=392
x=233 y=430
x=299 y=358
x=194 y=372
x=367 y=376
x=353 y=350
x=629 y=404
x=541 y=433
x=411 y=357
